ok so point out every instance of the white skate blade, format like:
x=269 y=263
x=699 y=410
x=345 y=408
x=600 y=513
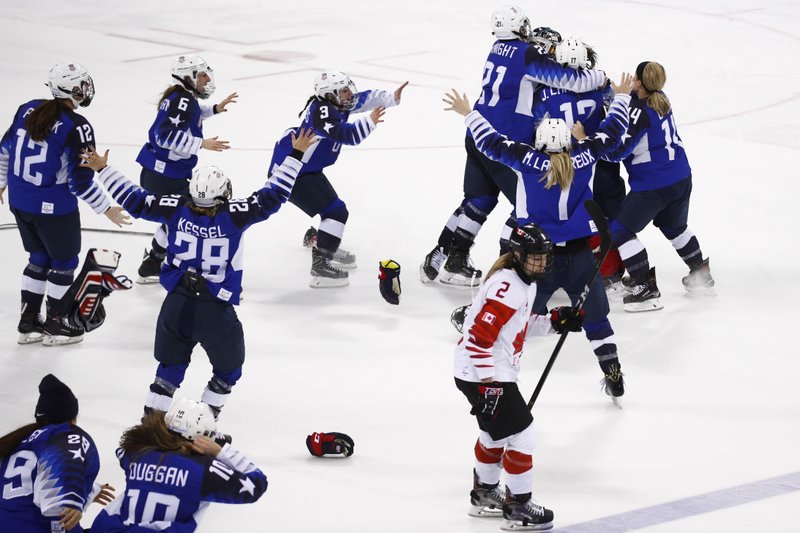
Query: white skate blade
x=641 y=307
x=617 y=401
x=616 y=290
x=703 y=291
x=457 y=280
x=516 y=525
x=149 y=280
x=424 y=277
x=319 y=282
x=30 y=338
x=344 y=266
x=60 y=340
x=485 y=512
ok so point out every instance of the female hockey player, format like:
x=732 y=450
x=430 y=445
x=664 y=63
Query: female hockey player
x=512 y=72
x=39 y=156
x=556 y=182
x=203 y=268
x=174 y=140
x=485 y=370
x=48 y=468
x=660 y=180
x=326 y=112
x=173 y=471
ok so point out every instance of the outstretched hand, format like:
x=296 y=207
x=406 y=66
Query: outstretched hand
x=305 y=139
x=91 y=159
x=215 y=145
x=377 y=115
x=459 y=104
x=625 y=84
x=578 y=131
x=118 y=216
x=230 y=99
x=106 y=494
x=399 y=92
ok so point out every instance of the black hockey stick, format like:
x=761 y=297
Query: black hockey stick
x=605 y=245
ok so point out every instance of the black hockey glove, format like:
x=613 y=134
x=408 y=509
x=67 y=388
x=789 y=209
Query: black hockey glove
x=389 y=281
x=320 y=444
x=491 y=394
x=566 y=318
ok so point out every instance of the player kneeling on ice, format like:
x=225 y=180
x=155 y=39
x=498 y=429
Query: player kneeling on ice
x=203 y=269
x=173 y=470
x=486 y=367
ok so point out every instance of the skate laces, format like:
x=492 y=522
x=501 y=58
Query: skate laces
x=495 y=496
x=533 y=507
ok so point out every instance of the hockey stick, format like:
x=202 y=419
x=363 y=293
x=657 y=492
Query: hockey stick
x=605 y=245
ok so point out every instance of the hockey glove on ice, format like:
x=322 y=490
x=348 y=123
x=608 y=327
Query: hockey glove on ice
x=566 y=318
x=320 y=444
x=491 y=394
x=389 y=281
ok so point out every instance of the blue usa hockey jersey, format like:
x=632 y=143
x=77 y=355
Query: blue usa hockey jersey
x=175 y=136
x=211 y=246
x=652 y=151
x=54 y=468
x=168 y=491
x=333 y=130
x=44 y=177
x=586 y=108
x=560 y=213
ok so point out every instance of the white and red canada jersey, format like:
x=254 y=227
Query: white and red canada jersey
x=496 y=327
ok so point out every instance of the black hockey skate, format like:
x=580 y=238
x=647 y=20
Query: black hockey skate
x=149 y=270
x=699 y=280
x=486 y=501
x=323 y=273
x=459 y=272
x=59 y=330
x=613 y=383
x=429 y=268
x=30 y=328
x=344 y=259
x=522 y=513
x=645 y=295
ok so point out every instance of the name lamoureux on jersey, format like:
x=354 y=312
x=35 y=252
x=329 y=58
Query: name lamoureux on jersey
x=170 y=490
x=54 y=468
x=46 y=174
x=559 y=213
x=496 y=327
x=208 y=245
x=333 y=129
x=175 y=136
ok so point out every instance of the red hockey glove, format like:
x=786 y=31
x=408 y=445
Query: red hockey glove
x=566 y=318
x=320 y=444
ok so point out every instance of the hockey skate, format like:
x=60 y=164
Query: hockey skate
x=30 y=328
x=525 y=514
x=59 y=331
x=429 y=268
x=614 y=286
x=324 y=274
x=459 y=272
x=486 y=501
x=613 y=383
x=149 y=270
x=344 y=259
x=699 y=280
x=644 y=296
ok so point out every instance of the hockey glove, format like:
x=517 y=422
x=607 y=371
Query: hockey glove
x=389 y=281
x=491 y=394
x=566 y=318
x=320 y=444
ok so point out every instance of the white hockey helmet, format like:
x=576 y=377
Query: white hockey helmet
x=336 y=88
x=186 y=69
x=572 y=53
x=553 y=135
x=190 y=419
x=71 y=81
x=209 y=186
x=510 y=22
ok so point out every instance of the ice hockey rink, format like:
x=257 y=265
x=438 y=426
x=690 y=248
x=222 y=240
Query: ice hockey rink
x=709 y=436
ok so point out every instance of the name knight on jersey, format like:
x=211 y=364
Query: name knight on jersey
x=211 y=232
x=503 y=50
x=167 y=475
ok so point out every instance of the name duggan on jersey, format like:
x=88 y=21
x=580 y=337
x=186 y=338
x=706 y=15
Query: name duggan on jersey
x=167 y=475
x=211 y=232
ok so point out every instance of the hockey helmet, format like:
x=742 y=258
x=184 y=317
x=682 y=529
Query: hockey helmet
x=209 y=186
x=528 y=244
x=510 y=22
x=191 y=419
x=71 y=81
x=545 y=39
x=553 y=135
x=336 y=88
x=572 y=53
x=186 y=69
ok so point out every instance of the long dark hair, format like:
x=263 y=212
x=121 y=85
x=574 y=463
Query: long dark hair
x=39 y=122
x=10 y=441
x=171 y=89
x=153 y=434
x=310 y=99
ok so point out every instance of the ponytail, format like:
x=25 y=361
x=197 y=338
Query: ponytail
x=310 y=99
x=171 y=89
x=653 y=78
x=561 y=171
x=41 y=120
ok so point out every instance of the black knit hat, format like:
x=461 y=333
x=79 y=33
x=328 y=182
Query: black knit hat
x=56 y=402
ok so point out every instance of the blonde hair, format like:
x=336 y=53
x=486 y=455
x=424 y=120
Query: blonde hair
x=504 y=261
x=654 y=77
x=561 y=171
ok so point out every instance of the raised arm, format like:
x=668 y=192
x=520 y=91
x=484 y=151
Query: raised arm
x=546 y=71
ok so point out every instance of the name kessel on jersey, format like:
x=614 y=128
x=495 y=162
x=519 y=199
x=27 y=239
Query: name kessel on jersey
x=211 y=232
